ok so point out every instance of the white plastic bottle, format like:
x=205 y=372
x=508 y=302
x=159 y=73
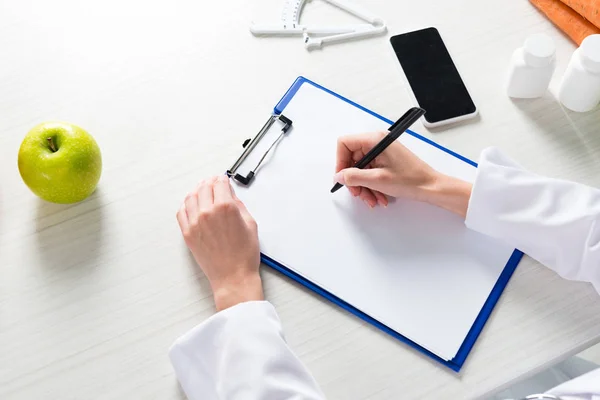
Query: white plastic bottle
x=580 y=88
x=531 y=67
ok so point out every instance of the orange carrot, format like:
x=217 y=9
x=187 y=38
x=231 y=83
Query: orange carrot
x=567 y=20
x=588 y=9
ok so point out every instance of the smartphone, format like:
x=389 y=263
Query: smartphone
x=431 y=74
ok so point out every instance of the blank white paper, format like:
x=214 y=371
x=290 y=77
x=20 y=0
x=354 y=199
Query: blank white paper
x=413 y=267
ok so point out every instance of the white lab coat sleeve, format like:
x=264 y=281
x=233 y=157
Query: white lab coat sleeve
x=584 y=387
x=241 y=353
x=553 y=221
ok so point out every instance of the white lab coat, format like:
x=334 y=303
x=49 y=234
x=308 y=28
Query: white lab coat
x=241 y=352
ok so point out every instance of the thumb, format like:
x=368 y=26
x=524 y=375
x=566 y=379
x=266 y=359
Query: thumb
x=368 y=178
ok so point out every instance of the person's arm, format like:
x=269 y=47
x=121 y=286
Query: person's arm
x=397 y=172
x=584 y=387
x=553 y=221
x=240 y=352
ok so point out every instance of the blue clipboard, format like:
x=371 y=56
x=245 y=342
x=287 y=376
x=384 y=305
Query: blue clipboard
x=457 y=362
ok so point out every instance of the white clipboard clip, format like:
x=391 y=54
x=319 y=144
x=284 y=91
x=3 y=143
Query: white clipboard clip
x=250 y=144
x=290 y=25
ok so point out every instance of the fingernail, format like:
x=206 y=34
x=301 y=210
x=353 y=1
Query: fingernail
x=339 y=178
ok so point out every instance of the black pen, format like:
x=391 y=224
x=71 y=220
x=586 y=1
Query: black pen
x=397 y=129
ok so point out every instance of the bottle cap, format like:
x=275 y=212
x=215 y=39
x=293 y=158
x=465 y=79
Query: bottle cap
x=590 y=53
x=538 y=50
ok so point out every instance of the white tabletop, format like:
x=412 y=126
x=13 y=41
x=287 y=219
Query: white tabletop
x=93 y=294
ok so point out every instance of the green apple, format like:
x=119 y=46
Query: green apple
x=60 y=162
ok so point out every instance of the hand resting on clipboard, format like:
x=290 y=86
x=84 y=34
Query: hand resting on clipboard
x=242 y=347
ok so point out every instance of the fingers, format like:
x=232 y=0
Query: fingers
x=359 y=177
x=205 y=194
x=209 y=193
x=196 y=201
x=381 y=198
x=362 y=141
x=368 y=197
x=373 y=197
x=362 y=183
x=191 y=205
x=356 y=157
x=183 y=220
x=222 y=190
x=354 y=191
x=343 y=155
x=352 y=147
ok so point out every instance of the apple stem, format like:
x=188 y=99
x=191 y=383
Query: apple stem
x=52 y=145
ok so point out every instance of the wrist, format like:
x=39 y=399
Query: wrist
x=449 y=193
x=231 y=292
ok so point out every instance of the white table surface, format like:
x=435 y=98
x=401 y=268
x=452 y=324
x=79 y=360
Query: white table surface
x=93 y=294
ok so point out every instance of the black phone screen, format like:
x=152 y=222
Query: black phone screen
x=432 y=75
